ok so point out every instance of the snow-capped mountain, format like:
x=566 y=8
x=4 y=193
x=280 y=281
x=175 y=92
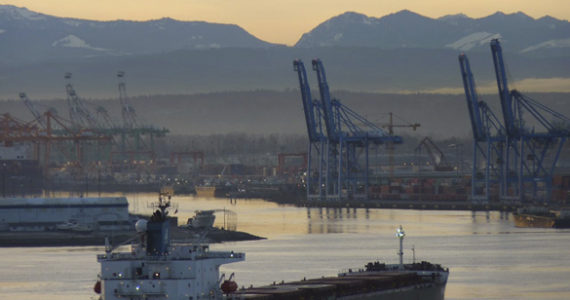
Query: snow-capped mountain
x=406 y=29
x=29 y=36
x=403 y=51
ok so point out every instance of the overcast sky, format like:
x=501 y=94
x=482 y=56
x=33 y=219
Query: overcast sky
x=281 y=21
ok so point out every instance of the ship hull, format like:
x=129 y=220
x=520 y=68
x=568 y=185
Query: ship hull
x=562 y=223
x=422 y=291
x=389 y=283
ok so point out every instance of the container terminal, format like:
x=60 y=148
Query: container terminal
x=515 y=157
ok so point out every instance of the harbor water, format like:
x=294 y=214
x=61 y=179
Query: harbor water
x=487 y=256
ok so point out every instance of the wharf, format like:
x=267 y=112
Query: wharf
x=409 y=204
x=291 y=194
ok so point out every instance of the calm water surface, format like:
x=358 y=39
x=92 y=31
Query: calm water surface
x=488 y=257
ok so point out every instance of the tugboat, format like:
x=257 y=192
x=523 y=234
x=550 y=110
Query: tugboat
x=156 y=269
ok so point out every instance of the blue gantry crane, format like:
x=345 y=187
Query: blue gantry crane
x=343 y=147
x=488 y=140
x=535 y=136
x=318 y=144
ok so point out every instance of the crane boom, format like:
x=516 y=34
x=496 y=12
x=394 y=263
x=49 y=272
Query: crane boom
x=78 y=113
x=330 y=124
x=308 y=105
x=504 y=93
x=127 y=110
x=32 y=109
x=472 y=99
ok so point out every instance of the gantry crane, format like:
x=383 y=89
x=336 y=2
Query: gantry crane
x=79 y=114
x=347 y=135
x=489 y=138
x=318 y=143
x=31 y=107
x=127 y=110
x=532 y=152
x=136 y=141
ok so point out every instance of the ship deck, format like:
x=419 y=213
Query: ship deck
x=351 y=286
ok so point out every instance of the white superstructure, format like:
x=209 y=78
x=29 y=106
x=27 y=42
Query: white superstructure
x=155 y=269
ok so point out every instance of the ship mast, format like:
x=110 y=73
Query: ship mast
x=401 y=234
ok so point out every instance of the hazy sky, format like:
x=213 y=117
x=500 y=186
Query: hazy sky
x=281 y=21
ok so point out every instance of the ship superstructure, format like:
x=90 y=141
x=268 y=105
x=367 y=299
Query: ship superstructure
x=156 y=269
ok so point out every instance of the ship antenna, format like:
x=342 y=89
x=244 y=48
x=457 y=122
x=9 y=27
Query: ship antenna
x=401 y=234
x=108 y=247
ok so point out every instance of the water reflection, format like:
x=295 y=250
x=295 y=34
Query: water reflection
x=489 y=258
x=334 y=220
x=476 y=214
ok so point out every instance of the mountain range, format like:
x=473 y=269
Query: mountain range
x=406 y=29
x=30 y=36
x=403 y=51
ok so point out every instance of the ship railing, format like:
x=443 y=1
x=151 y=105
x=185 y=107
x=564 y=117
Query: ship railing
x=175 y=256
x=221 y=254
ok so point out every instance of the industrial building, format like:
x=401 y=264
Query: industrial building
x=50 y=214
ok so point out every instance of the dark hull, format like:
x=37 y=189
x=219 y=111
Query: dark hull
x=378 y=285
x=562 y=223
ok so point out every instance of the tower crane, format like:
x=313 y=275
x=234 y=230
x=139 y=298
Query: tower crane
x=390 y=126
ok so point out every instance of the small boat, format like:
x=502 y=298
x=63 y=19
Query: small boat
x=541 y=217
x=202 y=219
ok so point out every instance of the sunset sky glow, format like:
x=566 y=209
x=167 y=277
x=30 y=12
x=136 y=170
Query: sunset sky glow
x=281 y=21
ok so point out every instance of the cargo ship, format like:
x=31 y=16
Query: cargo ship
x=541 y=217
x=155 y=268
x=375 y=281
